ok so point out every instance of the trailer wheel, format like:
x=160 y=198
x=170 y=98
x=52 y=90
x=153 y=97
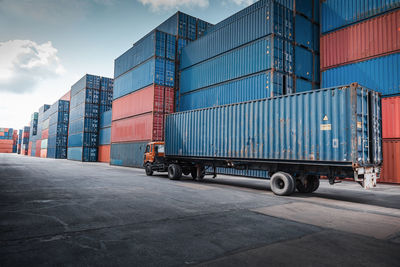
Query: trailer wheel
x=174 y=172
x=149 y=170
x=282 y=184
x=308 y=185
x=193 y=172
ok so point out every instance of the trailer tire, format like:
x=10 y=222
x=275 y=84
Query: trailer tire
x=282 y=184
x=149 y=170
x=193 y=172
x=310 y=184
x=174 y=172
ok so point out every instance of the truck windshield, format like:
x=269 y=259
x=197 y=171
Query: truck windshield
x=160 y=148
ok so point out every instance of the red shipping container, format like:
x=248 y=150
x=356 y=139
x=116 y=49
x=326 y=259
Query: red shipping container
x=38 y=148
x=104 y=153
x=371 y=38
x=45 y=134
x=1 y=133
x=391 y=161
x=43 y=153
x=144 y=127
x=391 y=117
x=150 y=99
x=67 y=96
x=6 y=150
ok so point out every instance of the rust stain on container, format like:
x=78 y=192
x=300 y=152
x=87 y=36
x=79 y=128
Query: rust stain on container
x=391 y=161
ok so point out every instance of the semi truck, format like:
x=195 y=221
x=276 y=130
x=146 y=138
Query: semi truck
x=297 y=138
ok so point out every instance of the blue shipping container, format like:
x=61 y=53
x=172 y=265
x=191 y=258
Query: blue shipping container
x=105 y=119
x=105 y=136
x=380 y=74
x=341 y=125
x=339 y=13
x=128 y=154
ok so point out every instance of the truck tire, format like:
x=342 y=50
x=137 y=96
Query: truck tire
x=193 y=172
x=174 y=172
x=311 y=183
x=282 y=184
x=149 y=170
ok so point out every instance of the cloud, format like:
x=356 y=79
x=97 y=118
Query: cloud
x=169 y=4
x=24 y=63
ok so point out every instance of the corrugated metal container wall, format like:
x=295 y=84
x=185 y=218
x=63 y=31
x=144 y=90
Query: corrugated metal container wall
x=148 y=126
x=105 y=136
x=247 y=173
x=379 y=74
x=105 y=119
x=153 y=98
x=258 y=86
x=256 y=21
x=391 y=160
x=391 y=117
x=370 y=38
x=304 y=126
x=67 y=96
x=104 y=153
x=128 y=154
x=338 y=13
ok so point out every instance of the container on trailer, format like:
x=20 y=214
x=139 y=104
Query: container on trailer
x=391 y=117
x=149 y=126
x=338 y=13
x=307 y=127
x=380 y=74
x=128 y=154
x=391 y=159
x=104 y=153
x=371 y=38
x=153 y=98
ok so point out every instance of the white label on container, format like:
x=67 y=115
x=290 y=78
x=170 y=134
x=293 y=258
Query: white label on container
x=359 y=124
x=326 y=127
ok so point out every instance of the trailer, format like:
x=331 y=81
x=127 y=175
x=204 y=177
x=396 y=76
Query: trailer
x=297 y=138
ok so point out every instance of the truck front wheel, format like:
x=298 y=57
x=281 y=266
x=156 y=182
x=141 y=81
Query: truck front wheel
x=174 y=172
x=282 y=184
x=149 y=170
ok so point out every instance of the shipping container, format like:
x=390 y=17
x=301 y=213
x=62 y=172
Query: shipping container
x=391 y=160
x=104 y=153
x=67 y=96
x=371 y=38
x=339 y=13
x=253 y=87
x=105 y=119
x=128 y=154
x=105 y=136
x=327 y=125
x=379 y=74
x=150 y=99
x=85 y=154
x=149 y=126
x=259 y=20
x=156 y=70
x=391 y=117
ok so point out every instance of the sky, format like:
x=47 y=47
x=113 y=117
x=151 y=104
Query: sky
x=48 y=45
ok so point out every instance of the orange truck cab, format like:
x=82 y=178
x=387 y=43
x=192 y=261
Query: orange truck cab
x=154 y=150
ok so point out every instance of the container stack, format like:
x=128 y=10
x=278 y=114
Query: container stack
x=270 y=48
x=33 y=133
x=105 y=137
x=25 y=141
x=265 y=50
x=19 y=143
x=391 y=140
x=45 y=134
x=360 y=42
x=145 y=81
x=15 y=141
x=58 y=130
x=6 y=140
x=86 y=102
x=38 y=144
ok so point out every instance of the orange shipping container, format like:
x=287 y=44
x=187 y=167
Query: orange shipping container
x=6 y=150
x=391 y=161
x=45 y=134
x=150 y=99
x=38 y=148
x=367 y=39
x=148 y=126
x=391 y=117
x=67 y=96
x=43 y=153
x=104 y=153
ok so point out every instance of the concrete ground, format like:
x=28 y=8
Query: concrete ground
x=59 y=212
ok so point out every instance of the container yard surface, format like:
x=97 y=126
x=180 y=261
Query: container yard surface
x=91 y=214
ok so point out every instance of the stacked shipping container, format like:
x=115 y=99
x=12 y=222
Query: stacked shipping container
x=367 y=52
x=105 y=137
x=268 y=49
x=58 y=130
x=6 y=140
x=145 y=78
x=41 y=121
x=360 y=42
x=33 y=133
x=88 y=96
x=19 y=143
x=25 y=141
